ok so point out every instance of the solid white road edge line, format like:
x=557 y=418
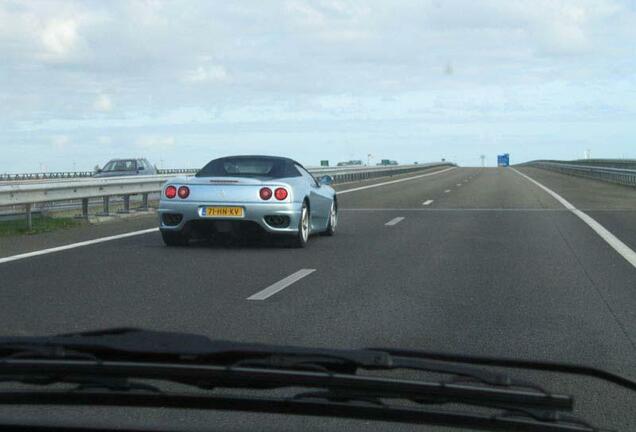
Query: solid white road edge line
x=281 y=284
x=146 y=231
x=393 y=181
x=458 y=209
x=76 y=245
x=427 y=202
x=620 y=247
x=394 y=221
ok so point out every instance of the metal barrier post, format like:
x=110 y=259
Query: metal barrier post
x=84 y=214
x=126 y=208
x=106 y=206
x=29 y=216
x=144 y=202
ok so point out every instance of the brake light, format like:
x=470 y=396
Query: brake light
x=265 y=193
x=184 y=192
x=170 y=192
x=280 y=194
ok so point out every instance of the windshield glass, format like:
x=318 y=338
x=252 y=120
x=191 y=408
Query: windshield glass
x=247 y=167
x=450 y=176
x=121 y=165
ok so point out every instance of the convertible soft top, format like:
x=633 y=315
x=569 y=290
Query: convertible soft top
x=250 y=166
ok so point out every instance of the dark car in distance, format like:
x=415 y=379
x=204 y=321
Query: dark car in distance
x=126 y=167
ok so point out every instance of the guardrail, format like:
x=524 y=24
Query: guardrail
x=357 y=173
x=64 y=175
x=45 y=176
x=82 y=189
x=605 y=163
x=621 y=176
x=77 y=174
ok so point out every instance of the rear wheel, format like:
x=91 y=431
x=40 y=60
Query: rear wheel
x=301 y=238
x=174 y=238
x=333 y=220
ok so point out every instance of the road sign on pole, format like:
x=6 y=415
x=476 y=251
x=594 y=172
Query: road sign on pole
x=503 y=160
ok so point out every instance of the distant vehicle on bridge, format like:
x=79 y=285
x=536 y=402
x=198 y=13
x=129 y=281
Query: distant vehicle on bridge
x=126 y=167
x=386 y=162
x=350 y=163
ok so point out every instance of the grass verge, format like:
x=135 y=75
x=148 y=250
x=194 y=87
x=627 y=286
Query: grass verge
x=40 y=224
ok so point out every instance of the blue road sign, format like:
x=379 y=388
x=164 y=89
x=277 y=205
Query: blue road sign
x=503 y=160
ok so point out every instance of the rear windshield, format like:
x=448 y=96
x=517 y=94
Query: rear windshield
x=121 y=165
x=248 y=167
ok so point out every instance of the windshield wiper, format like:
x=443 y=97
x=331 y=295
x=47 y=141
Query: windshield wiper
x=502 y=420
x=95 y=359
x=119 y=344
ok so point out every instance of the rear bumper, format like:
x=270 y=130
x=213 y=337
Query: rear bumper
x=253 y=212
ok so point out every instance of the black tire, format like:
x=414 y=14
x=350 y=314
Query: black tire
x=333 y=219
x=174 y=238
x=301 y=238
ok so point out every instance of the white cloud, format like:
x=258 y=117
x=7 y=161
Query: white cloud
x=319 y=64
x=305 y=13
x=338 y=104
x=213 y=73
x=49 y=32
x=155 y=142
x=59 y=37
x=331 y=21
x=60 y=142
x=104 y=140
x=103 y=103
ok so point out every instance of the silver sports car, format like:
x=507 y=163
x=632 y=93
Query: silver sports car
x=242 y=194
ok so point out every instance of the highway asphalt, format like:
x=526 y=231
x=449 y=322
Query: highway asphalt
x=472 y=260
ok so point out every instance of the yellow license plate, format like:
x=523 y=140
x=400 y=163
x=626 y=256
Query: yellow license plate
x=234 y=212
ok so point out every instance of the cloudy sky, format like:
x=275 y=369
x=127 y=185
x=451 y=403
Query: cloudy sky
x=184 y=82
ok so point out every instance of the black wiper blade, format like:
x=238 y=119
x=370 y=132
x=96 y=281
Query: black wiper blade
x=135 y=345
x=499 y=421
x=129 y=344
x=215 y=376
x=111 y=358
x=82 y=382
x=512 y=363
x=132 y=344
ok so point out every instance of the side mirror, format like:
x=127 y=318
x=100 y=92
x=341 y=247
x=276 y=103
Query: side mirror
x=326 y=180
x=140 y=168
x=98 y=170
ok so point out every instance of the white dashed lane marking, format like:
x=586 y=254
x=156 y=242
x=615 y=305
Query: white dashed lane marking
x=340 y=192
x=394 y=221
x=281 y=284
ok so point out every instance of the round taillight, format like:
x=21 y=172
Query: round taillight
x=170 y=192
x=280 y=194
x=184 y=192
x=265 y=193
